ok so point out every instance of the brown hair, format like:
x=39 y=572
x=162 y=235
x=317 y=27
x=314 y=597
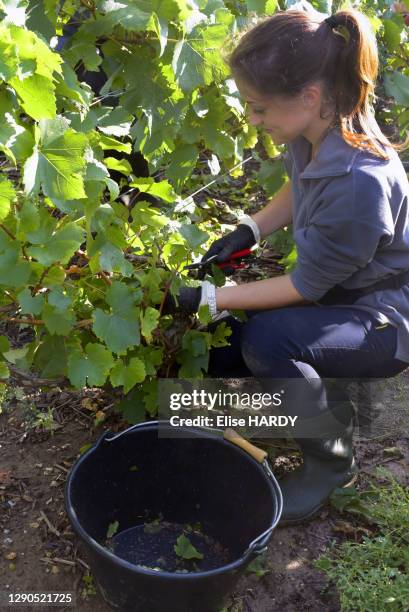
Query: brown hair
x=283 y=53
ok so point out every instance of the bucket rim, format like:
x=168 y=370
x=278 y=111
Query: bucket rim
x=110 y=556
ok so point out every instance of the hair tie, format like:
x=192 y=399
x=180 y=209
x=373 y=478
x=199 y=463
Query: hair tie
x=332 y=21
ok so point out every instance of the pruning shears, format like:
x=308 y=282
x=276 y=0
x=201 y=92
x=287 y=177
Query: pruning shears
x=238 y=260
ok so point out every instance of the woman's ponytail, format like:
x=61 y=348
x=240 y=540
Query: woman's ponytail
x=355 y=78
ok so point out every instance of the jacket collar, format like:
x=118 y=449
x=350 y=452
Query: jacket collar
x=334 y=158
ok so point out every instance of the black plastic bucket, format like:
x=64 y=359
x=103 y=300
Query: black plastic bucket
x=136 y=475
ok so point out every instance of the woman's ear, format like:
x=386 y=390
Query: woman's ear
x=311 y=97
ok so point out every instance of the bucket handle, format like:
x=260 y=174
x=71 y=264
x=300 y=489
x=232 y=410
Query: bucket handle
x=259 y=544
x=129 y=429
x=257 y=453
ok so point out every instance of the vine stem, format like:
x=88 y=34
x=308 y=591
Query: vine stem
x=84 y=323
x=24 y=321
x=105 y=278
x=4 y=228
x=38 y=285
x=167 y=286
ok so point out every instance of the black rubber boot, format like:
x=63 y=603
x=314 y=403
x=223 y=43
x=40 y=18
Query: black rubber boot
x=328 y=463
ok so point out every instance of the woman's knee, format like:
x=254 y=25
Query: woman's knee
x=267 y=336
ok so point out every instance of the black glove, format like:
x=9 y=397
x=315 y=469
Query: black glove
x=241 y=238
x=188 y=298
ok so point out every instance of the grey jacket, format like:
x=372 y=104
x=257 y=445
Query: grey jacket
x=351 y=226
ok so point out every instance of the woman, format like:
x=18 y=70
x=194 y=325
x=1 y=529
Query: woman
x=343 y=312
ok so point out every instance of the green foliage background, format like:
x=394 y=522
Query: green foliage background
x=67 y=247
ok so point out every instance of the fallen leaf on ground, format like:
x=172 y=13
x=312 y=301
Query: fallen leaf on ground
x=5 y=477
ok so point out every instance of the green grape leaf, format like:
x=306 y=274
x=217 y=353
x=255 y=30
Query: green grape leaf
x=37 y=22
x=58 y=163
x=185 y=549
x=193 y=235
x=290 y=260
x=271 y=176
x=220 y=335
x=161 y=28
x=52 y=355
x=204 y=314
x=91 y=367
x=218 y=276
x=107 y=142
x=132 y=406
x=16 y=140
x=392 y=32
x=14 y=271
x=113 y=188
x=149 y=322
x=151 y=356
x=8 y=54
x=57 y=321
x=166 y=9
x=118 y=332
x=67 y=85
x=31 y=48
x=194 y=355
x=182 y=163
x=150 y=396
x=60 y=246
x=120 y=165
x=13 y=355
x=197 y=60
x=196 y=342
x=4 y=371
x=144 y=214
x=121 y=297
x=125 y=14
x=7 y=194
x=28 y=219
x=37 y=96
x=30 y=304
x=397 y=86
x=161 y=189
x=114 y=121
x=87 y=52
x=188 y=66
x=57 y=298
x=4 y=344
x=191 y=367
x=262 y=7
x=128 y=375
x=55 y=276
x=112 y=259
x=112 y=529
x=152 y=281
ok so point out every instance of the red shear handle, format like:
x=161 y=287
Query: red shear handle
x=241 y=253
x=231 y=263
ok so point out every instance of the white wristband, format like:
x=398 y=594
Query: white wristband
x=246 y=220
x=209 y=297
